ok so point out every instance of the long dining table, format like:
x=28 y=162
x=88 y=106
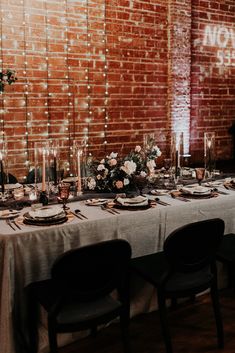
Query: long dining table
x=27 y=254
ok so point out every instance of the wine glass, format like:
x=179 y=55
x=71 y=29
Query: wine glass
x=63 y=194
x=200 y=174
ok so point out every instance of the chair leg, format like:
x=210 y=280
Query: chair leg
x=231 y=277
x=124 y=323
x=164 y=323
x=218 y=317
x=52 y=335
x=32 y=316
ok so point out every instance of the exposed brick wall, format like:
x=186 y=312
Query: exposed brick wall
x=213 y=93
x=111 y=72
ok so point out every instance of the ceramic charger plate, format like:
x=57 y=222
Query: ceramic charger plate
x=48 y=215
x=133 y=203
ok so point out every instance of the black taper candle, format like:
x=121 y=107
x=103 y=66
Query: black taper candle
x=176 y=163
x=2 y=176
x=55 y=171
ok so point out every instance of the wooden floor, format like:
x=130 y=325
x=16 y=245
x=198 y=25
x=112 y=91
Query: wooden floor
x=192 y=329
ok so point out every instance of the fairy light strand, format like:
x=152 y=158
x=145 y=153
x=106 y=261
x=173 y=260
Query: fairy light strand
x=89 y=110
x=2 y=111
x=48 y=94
x=67 y=87
x=26 y=90
x=106 y=93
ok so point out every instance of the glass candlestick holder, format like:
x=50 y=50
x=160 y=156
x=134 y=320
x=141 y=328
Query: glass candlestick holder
x=209 y=152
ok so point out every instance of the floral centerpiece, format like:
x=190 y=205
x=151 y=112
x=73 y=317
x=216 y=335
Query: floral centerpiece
x=7 y=77
x=122 y=174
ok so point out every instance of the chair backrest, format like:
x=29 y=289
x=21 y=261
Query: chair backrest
x=94 y=270
x=193 y=246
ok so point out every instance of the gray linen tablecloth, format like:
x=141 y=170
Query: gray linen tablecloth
x=26 y=255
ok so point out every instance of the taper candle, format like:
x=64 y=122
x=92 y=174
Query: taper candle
x=43 y=170
x=55 y=169
x=2 y=173
x=176 y=163
x=79 y=183
x=209 y=155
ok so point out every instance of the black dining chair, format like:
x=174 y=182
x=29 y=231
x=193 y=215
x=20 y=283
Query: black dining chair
x=185 y=268
x=89 y=286
x=226 y=255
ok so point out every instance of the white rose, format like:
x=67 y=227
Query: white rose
x=102 y=161
x=101 y=167
x=129 y=167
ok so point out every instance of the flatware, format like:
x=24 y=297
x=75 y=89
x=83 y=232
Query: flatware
x=160 y=202
x=220 y=192
x=105 y=208
x=78 y=212
x=9 y=224
x=76 y=215
x=181 y=198
x=14 y=222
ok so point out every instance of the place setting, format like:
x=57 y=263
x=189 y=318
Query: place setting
x=40 y=215
x=229 y=184
x=10 y=216
x=135 y=203
x=44 y=216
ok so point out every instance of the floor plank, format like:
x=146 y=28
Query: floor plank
x=192 y=329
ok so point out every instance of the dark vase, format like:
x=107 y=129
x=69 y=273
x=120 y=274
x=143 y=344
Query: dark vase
x=43 y=198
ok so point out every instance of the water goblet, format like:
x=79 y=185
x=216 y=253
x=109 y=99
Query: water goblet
x=200 y=174
x=63 y=194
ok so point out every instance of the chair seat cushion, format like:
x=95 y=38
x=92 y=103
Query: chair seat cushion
x=188 y=282
x=85 y=312
x=73 y=311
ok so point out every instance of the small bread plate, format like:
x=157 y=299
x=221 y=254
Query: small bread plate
x=8 y=214
x=96 y=202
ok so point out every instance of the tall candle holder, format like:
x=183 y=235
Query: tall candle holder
x=209 y=152
x=42 y=169
x=78 y=165
x=54 y=162
x=3 y=167
x=177 y=151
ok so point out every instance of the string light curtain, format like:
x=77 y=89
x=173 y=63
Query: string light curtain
x=2 y=108
x=105 y=74
x=25 y=139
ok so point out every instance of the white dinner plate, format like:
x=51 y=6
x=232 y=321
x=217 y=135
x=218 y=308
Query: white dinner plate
x=46 y=212
x=196 y=190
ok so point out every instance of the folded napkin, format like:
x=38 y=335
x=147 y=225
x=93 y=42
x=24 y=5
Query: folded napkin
x=133 y=201
x=196 y=190
x=8 y=213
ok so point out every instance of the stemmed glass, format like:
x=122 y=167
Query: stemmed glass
x=200 y=174
x=63 y=194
